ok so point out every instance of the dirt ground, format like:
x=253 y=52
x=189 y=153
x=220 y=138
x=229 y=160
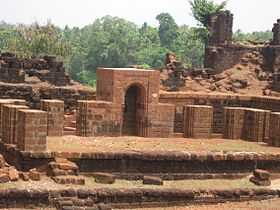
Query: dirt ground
x=245 y=78
x=91 y=144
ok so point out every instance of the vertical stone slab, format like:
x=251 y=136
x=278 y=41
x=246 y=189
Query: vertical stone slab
x=55 y=110
x=32 y=130
x=10 y=122
x=95 y=118
x=5 y=102
x=274 y=129
x=233 y=122
x=256 y=125
x=198 y=121
x=2 y=103
x=162 y=126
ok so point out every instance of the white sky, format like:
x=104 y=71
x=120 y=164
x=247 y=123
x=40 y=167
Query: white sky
x=249 y=15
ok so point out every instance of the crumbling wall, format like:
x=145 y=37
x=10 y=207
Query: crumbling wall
x=276 y=33
x=221 y=57
x=271 y=56
x=220 y=25
x=47 y=73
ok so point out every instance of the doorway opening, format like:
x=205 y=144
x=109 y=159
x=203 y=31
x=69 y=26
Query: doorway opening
x=134 y=112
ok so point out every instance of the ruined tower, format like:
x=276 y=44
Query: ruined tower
x=276 y=33
x=220 y=25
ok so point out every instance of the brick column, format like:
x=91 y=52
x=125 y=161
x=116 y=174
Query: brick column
x=233 y=122
x=198 y=122
x=55 y=110
x=32 y=130
x=10 y=122
x=274 y=129
x=256 y=125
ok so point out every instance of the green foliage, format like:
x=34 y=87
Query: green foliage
x=202 y=10
x=168 y=31
x=255 y=36
x=191 y=50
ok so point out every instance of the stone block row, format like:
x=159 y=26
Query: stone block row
x=27 y=128
x=246 y=123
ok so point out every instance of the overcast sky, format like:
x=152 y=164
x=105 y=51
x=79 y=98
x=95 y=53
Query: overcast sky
x=249 y=15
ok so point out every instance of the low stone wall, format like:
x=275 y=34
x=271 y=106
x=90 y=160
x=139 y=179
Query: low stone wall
x=71 y=198
x=147 y=162
x=70 y=95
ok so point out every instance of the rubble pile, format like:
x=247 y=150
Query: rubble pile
x=63 y=171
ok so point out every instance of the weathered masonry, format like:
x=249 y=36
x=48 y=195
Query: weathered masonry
x=127 y=104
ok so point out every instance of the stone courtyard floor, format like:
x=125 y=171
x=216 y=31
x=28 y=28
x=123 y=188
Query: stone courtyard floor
x=91 y=144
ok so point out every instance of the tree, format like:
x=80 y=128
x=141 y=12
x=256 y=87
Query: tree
x=168 y=31
x=254 y=36
x=202 y=10
x=112 y=42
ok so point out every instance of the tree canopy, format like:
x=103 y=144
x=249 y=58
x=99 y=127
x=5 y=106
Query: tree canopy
x=110 y=42
x=202 y=10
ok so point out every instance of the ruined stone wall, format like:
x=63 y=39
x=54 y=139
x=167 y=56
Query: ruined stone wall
x=220 y=25
x=221 y=57
x=19 y=74
x=276 y=33
x=33 y=95
x=14 y=69
x=271 y=56
x=218 y=102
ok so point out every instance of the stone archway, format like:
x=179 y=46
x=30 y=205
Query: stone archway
x=134 y=111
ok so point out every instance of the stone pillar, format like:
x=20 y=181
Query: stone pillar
x=198 y=122
x=32 y=130
x=256 y=125
x=233 y=122
x=276 y=33
x=5 y=102
x=55 y=110
x=10 y=122
x=274 y=129
x=96 y=118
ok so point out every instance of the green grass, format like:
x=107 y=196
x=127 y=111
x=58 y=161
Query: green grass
x=47 y=183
